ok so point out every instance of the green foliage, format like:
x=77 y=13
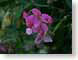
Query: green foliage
x=12 y=26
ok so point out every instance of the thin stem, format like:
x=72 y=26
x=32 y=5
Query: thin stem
x=59 y=23
x=33 y=2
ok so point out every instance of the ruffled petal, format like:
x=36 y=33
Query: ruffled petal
x=36 y=12
x=46 y=18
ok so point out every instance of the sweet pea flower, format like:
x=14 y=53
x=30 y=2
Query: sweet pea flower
x=37 y=23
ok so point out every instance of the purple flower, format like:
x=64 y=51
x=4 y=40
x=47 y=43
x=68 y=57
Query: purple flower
x=37 y=23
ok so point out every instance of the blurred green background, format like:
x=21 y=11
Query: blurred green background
x=12 y=27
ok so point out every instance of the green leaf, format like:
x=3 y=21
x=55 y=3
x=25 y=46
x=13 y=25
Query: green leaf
x=69 y=3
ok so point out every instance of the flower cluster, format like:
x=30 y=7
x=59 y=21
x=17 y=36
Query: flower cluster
x=38 y=23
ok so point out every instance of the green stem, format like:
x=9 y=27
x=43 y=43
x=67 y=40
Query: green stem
x=59 y=24
x=39 y=5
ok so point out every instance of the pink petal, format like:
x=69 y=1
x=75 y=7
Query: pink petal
x=32 y=21
x=46 y=18
x=29 y=21
x=25 y=15
x=35 y=30
x=36 y=22
x=44 y=27
x=38 y=39
x=47 y=38
x=50 y=20
x=36 y=12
